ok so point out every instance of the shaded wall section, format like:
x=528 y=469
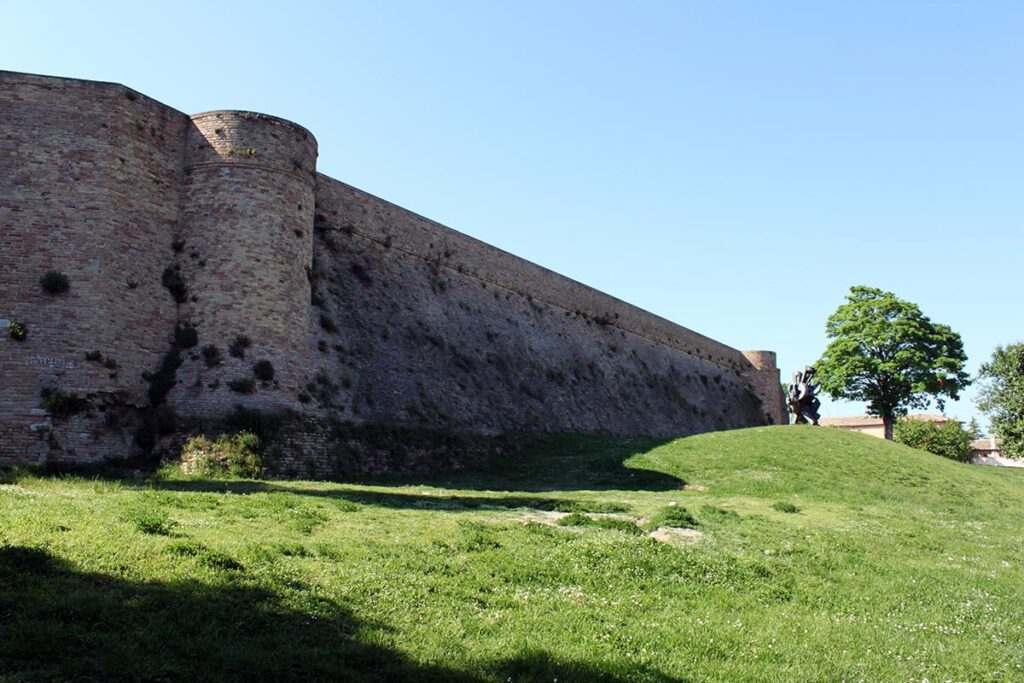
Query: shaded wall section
x=419 y=324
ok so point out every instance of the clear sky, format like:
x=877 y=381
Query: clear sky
x=732 y=166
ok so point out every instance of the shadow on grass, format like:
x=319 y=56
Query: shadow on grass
x=59 y=623
x=549 y=463
x=564 y=462
x=388 y=499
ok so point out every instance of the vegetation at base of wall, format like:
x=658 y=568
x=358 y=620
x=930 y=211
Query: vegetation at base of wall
x=238 y=346
x=242 y=385
x=263 y=370
x=17 y=331
x=237 y=455
x=61 y=404
x=54 y=282
x=185 y=336
x=902 y=566
x=264 y=425
x=950 y=439
x=401 y=445
x=175 y=283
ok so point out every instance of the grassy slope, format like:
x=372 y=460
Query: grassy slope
x=898 y=566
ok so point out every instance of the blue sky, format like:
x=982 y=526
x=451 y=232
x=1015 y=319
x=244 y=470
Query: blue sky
x=734 y=167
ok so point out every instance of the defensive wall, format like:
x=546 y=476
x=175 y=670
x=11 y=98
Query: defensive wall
x=210 y=267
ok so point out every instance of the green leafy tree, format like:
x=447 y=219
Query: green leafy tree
x=885 y=352
x=950 y=439
x=1002 y=397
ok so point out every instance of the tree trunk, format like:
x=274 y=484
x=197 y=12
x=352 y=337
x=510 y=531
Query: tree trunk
x=887 y=421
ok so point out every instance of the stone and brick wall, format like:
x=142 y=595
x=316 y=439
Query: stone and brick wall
x=368 y=314
x=89 y=176
x=245 y=250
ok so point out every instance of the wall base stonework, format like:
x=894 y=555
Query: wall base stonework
x=211 y=267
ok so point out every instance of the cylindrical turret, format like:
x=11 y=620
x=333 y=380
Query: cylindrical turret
x=766 y=383
x=244 y=252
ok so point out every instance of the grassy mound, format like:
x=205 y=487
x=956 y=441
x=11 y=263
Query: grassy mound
x=824 y=555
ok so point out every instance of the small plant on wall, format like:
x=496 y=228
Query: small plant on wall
x=54 y=282
x=243 y=385
x=239 y=345
x=185 y=336
x=17 y=331
x=175 y=284
x=264 y=371
x=211 y=355
x=60 y=404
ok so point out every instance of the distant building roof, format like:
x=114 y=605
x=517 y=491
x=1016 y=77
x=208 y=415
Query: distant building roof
x=986 y=445
x=855 y=421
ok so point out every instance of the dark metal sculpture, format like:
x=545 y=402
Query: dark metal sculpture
x=801 y=398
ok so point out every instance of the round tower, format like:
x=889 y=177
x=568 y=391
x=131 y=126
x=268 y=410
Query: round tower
x=243 y=258
x=766 y=382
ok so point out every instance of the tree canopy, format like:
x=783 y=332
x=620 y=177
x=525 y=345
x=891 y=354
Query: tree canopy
x=885 y=352
x=950 y=439
x=1002 y=397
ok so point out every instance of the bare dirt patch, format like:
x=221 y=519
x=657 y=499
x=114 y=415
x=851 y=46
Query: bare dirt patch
x=675 y=536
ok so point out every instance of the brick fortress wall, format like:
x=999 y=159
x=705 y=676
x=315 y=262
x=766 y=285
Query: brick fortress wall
x=89 y=177
x=455 y=333
x=367 y=313
x=245 y=247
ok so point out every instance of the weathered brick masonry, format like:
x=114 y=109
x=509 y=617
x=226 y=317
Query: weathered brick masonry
x=371 y=317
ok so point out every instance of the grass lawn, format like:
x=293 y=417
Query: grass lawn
x=792 y=554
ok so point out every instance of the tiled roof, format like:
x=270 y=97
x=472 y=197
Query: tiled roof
x=989 y=443
x=851 y=421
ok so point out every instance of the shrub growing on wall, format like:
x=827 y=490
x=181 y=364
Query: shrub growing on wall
x=244 y=385
x=239 y=345
x=54 y=282
x=17 y=331
x=175 y=284
x=264 y=371
x=60 y=404
x=185 y=336
x=211 y=355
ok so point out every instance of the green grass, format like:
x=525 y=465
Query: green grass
x=897 y=566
